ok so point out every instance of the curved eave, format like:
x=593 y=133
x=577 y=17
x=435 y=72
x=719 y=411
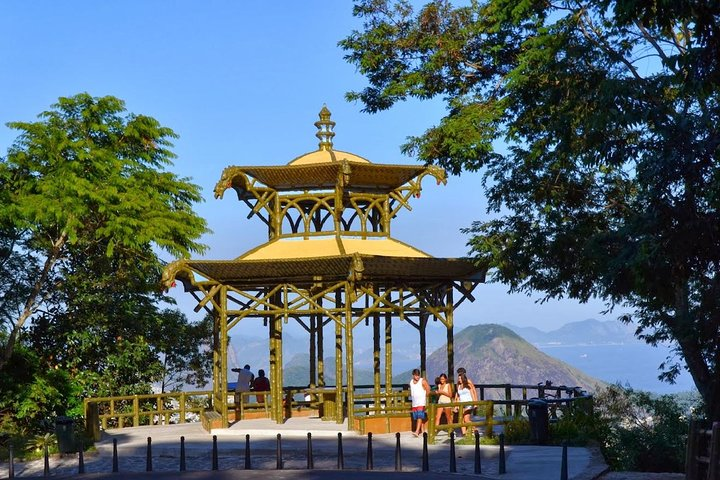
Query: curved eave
x=309 y=271
x=361 y=176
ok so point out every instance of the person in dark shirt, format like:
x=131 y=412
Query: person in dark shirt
x=261 y=384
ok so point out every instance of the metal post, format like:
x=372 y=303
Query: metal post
x=501 y=463
x=46 y=470
x=564 y=464
x=81 y=458
x=182 y=454
x=369 y=459
x=398 y=453
x=115 y=457
x=214 y=453
x=340 y=456
x=310 y=460
x=148 y=460
x=478 y=466
x=11 y=462
x=248 y=464
x=425 y=460
x=278 y=453
x=453 y=464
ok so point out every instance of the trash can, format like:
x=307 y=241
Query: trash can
x=538 y=415
x=65 y=433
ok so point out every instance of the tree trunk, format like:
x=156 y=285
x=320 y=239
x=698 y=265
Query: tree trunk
x=31 y=302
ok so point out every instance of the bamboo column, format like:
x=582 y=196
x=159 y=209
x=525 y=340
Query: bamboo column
x=388 y=352
x=422 y=328
x=376 y=356
x=313 y=320
x=449 y=322
x=338 y=363
x=349 y=367
x=223 y=324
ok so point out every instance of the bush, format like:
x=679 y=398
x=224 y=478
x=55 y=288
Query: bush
x=641 y=432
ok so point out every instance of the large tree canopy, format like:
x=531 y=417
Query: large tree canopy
x=595 y=123
x=85 y=203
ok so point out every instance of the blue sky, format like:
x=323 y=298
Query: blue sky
x=242 y=83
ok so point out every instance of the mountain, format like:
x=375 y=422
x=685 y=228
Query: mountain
x=495 y=354
x=296 y=372
x=586 y=332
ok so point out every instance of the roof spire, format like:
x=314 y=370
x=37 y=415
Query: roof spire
x=325 y=129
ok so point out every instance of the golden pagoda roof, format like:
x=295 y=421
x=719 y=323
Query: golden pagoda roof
x=317 y=247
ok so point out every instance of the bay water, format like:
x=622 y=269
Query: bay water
x=635 y=364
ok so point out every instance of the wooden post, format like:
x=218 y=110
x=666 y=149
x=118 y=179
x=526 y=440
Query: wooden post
x=339 y=361
x=313 y=350
x=349 y=364
x=388 y=352
x=691 y=464
x=714 y=457
x=223 y=392
x=449 y=308
x=376 y=355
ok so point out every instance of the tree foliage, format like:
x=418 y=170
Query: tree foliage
x=595 y=124
x=85 y=206
x=88 y=178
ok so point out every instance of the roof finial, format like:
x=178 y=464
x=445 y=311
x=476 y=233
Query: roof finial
x=325 y=127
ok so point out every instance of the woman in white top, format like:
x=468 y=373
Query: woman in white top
x=445 y=395
x=465 y=393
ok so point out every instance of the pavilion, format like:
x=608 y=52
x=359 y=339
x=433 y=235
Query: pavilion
x=330 y=264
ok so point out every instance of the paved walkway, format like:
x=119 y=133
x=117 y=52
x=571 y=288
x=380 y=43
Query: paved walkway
x=522 y=462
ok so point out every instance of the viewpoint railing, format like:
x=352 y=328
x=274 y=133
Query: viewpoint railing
x=497 y=404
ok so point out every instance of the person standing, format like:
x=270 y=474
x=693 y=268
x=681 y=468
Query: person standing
x=465 y=393
x=244 y=382
x=419 y=390
x=444 y=395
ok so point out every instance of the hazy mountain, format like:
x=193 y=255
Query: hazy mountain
x=495 y=354
x=296 y=372
x=586 y=332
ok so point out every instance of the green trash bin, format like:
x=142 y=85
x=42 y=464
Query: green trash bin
x=65 y=433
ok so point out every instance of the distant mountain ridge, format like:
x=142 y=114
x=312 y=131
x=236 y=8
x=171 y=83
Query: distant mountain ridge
x=585 y=332
x=495 y=354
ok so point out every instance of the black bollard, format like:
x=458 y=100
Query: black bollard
x=425 y=460
x=369 y=459
x=501 y=462
x=310 y=461
x=11 y=462
x=46 y=470
x=341 y=457
x=214 y=453
x=279 y=464
x=478 y=467
x=453 y=464
x=398 y=453
x=115 y=457
x=182 y=454
x=148 y=462
x=564 y=464
x=248 y=464
x=81 y=458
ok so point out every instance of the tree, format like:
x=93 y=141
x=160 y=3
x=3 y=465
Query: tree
x=89 y=178
x=595 y=123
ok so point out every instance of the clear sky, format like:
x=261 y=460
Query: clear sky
x=242 y=83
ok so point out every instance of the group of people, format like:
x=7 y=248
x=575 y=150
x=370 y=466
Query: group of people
x=420 y=391
x=247 y=381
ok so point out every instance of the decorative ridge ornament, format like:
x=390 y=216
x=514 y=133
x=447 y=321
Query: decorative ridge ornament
x=325 y=129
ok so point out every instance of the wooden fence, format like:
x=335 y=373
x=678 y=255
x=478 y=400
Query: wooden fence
x=703 y=452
